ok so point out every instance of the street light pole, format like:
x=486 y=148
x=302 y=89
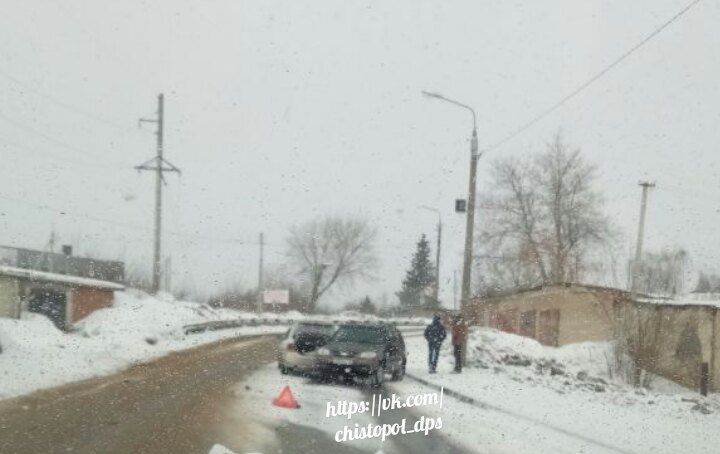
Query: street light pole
x=470 y=219
x=437 y=253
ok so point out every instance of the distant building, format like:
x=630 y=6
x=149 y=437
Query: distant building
x=63 y=299
x=678 y=339
x=65 y=263
x=554 y=315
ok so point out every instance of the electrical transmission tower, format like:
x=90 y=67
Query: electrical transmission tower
x=159 y=165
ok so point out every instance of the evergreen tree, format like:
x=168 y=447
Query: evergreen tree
x=419 y=279
x=703 y=285
x=367 y=306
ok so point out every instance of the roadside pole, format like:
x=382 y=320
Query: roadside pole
x=470 y=213
x=159 y=165
x=260 y=288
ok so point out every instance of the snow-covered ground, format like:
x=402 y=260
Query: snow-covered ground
x=137 y=328
x=257 y=392
x=536 y=399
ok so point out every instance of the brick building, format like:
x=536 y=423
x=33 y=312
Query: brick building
x=63 y=299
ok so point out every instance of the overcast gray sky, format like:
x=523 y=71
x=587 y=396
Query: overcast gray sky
x=279 y=111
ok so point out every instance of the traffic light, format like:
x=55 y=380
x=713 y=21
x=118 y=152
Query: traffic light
x=460 y=205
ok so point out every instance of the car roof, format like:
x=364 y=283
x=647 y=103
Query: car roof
x=314 y=322
x=379 y=325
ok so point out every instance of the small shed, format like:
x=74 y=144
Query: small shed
x=64 y=299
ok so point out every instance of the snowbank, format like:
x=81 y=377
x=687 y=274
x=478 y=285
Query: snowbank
x=137 y=328
x=538 y=399
x=490 y=347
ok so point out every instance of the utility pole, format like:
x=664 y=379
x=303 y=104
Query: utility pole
x=454 y=289
x=167 y=274
x=51 y=246
x=470 y=221
x=470 y=218
x=646 y=186
x=260 y=274
x=437 y=262
x=158 y=164
x=470 y=215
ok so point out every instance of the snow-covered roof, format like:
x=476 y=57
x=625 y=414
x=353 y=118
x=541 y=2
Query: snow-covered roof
x=683 y=300
x=44 y=276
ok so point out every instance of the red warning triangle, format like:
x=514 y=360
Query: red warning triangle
x=286 y=399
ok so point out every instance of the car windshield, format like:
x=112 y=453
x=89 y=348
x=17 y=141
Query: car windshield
x=359 y=334
x=312 y=329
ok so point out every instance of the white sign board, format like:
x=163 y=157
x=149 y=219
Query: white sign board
x=276 y=296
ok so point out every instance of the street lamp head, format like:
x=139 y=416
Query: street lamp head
x=430 y=94
x=429 y=208
x=434 y=95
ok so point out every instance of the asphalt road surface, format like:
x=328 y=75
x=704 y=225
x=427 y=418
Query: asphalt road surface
x=172 y=405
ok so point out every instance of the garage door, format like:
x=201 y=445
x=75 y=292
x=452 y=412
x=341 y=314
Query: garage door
x=548 y=327
x=50 y=303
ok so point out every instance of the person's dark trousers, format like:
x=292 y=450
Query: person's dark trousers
x=433 y=354
x=457 y=350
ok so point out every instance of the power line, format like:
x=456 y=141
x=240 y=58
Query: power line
x=47 y=137
x=689 y=193
x=592 y=80
x=126 y=224
x=63 y=104
x=55 y=156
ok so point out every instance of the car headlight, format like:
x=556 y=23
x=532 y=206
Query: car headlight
x=323 y=351
x=368 y=355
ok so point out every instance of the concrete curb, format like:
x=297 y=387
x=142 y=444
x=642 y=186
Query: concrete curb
x=450 y=392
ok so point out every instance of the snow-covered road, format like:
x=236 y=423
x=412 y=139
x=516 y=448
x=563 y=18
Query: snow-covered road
x=516 y=408
x=307 y=429
x=169 y=405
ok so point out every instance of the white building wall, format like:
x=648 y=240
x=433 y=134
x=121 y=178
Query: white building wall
x=10 y=300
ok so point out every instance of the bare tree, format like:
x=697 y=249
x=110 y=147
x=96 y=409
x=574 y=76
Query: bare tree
x=662 y=273
x=637 y=349
x=332 y=250
x=707 y=283
x=544 y=219
x=137 y=277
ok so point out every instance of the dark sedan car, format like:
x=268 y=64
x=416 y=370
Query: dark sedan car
x=363 y=351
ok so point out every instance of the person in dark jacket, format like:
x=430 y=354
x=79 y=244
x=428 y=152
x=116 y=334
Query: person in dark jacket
x=435 y=335
x=459 y=337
